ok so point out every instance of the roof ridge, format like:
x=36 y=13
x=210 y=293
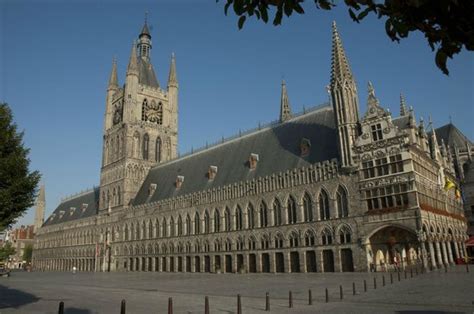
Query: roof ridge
x=250 y=132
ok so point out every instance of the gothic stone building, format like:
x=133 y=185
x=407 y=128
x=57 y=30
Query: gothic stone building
x=328 y=190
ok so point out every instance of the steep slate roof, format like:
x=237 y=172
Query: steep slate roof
x=91 y=198
x=278 y=148
x=146 y=74
x=401 y=122
x=452 y=136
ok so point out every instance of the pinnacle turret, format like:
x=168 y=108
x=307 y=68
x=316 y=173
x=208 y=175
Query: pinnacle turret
x=285 y=110
x=340 y=69
x=403 y=107
x=173 y=76
x=133 y=62
x=113 y=81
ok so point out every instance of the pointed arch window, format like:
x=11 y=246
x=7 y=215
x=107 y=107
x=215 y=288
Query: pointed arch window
x=251 y=216
x=238 y=218
x=144 y=109
x=345 y=235
x=158 y=149
x=197 y=224
x=326 y=237
x=145 y=146
x=278 y=241
x=307 y=208
x=263 y=213
x=227 y=220
x=294 y=240
x=188 y=225
x=136 y=145
x=323 y=205
x=217 y=221
x=164 y=228
x=309 y=239
x=119 y=196
x=276 y=213
x=206 y=222
x=172 y=227
x=342 y=203
x=291 y=210
x=180 y=226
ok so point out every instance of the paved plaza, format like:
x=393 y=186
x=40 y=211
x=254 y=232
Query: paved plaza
x=87 y=293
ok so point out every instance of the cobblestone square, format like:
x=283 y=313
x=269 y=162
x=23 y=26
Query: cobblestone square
x=83 y=293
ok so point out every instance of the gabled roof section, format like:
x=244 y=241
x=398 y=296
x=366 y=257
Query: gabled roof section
x=84 y=204
x=278 y=148
x=451 y=136
x=146 y=73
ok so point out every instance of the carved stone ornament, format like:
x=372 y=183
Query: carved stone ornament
x=380 y=154
x=118 y=113
x=365 y=136
x=386 y=130
x=154 y=113
x=394 y=150
x=372 y=110
x=366 y=157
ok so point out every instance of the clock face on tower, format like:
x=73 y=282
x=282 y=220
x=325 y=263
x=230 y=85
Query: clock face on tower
x=153 y=112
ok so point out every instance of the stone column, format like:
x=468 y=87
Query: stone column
x=271 y=216
x=272 y=263
x=444 y=253
x=424 y=255
x=337 y=260
x=432 y=255
x=450 y=253
x=456 y=249
x=439 y=259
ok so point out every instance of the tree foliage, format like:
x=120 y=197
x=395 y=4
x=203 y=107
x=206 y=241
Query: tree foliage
x=6 y=251
x=27 y=253
x=448 y=25
x=18 y=186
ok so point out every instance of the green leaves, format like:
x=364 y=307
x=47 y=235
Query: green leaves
x=448 y=24
x=241 y=21
x=17 y=183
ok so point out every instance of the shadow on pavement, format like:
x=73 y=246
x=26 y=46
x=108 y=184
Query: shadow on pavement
x=73 y=310
x=427 y=312
x=13 y=298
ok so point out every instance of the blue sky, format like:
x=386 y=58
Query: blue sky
x=55 y=60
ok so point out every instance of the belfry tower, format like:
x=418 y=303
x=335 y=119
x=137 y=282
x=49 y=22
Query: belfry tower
x=344 y=101
x=140 y=125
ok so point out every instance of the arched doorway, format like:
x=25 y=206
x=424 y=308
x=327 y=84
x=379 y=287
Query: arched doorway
x=391 y=247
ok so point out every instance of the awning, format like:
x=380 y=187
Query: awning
x=470 y=241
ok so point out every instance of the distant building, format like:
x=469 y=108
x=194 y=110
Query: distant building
x=331 y=189
x=20 y=238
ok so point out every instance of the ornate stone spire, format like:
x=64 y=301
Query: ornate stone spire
x=113 y=81
x=133 y=62
x=434 y=148
x=144 y=41
x=372 y=100
x=285 y=110
x=173 y=77
x=340 y=69
x=40 y=208
x=411 y=118
x=403 y=107
x=421 y=128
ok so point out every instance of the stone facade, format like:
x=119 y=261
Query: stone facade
x=323 y=191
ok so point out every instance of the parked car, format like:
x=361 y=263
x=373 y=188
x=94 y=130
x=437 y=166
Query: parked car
x=4 y=271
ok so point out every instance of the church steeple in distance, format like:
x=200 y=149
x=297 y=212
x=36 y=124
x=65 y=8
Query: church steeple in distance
x=40 y=208
x=113 y=81
x=173 y=76
x=345 y=100
x=285 y=110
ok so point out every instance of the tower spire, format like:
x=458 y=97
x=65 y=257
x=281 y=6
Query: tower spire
x=144 y=41
x=345 y=101
x=113 y=81
x=403 y=107
x=340 y=69
x=173 y=77
x=285 y=110
x=133 y=63
x=40 y=207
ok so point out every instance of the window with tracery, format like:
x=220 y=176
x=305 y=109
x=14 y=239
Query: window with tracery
x=291 y=210
x=342 y=204
x=307 y=208
x=324 y=205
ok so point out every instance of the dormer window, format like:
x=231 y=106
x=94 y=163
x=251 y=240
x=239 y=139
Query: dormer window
x=212 y=172
x=61 y=214
x=151 y=189
x=376 y=132
x=84 y=207
x=253 y=160
x=72 y=210
x=179 y=181
x=305 y=147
